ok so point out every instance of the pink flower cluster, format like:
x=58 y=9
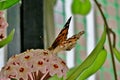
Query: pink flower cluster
x=3 y=26
x=39 y=62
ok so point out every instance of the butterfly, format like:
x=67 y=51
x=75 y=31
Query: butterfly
x=40 y=64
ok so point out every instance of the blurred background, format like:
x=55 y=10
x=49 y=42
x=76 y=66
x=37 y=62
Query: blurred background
x=38 y=22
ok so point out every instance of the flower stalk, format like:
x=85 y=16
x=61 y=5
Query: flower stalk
x=109 y=39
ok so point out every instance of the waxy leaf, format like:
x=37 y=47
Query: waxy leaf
x=7 y=3
x=117 y=54
x=99 y=61
x=89 y=60
x=8 y=39
x=72 y=70
x=55 y=77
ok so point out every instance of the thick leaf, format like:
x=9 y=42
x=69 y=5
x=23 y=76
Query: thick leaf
x=117 y=54
x=89 y=60
x=99 y=61
x=93 y=68
x=71 y=71
x=55 y=77
x=8 y=39
x=81 y=7
x=7 y=3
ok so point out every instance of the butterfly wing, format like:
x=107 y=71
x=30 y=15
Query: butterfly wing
x=62 y=35
x=69 y=43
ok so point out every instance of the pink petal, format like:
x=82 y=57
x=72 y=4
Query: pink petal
x=3 y=23
x=1 y=13
x=4 y=79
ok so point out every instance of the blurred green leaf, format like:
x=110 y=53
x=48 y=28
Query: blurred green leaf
x=117 y=54
x=8 y=39
x=2 y=0
x=89 y=60
x=7 y=3
x=55 y=77
x=99 y=61
x=81 y=7
x=13 y=79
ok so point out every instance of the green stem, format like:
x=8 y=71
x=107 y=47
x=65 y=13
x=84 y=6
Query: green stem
x=114 y=37
x=109 y=40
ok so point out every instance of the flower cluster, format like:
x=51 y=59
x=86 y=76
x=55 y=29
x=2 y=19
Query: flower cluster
x=34 y=65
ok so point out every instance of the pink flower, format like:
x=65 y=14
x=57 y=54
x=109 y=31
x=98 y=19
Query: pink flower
x=1 y=13
x=37 y=62
x=57 y=66
x=3 y=25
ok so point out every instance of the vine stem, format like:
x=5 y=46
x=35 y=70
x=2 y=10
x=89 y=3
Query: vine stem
x=109 y=39
x=114 y=38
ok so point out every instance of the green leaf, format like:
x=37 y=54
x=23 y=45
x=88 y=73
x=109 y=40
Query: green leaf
x=99 y=61
x=90 y=59
x=117 y=54
x=81 y=7
x=7 y=3
x=13 y=79
x=72 y=70
x=93 y=68
x=8 y=39
x=2 y=0
x=55 y=77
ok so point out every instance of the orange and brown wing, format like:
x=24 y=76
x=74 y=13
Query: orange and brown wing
x=68 y=44
x=62 y=35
